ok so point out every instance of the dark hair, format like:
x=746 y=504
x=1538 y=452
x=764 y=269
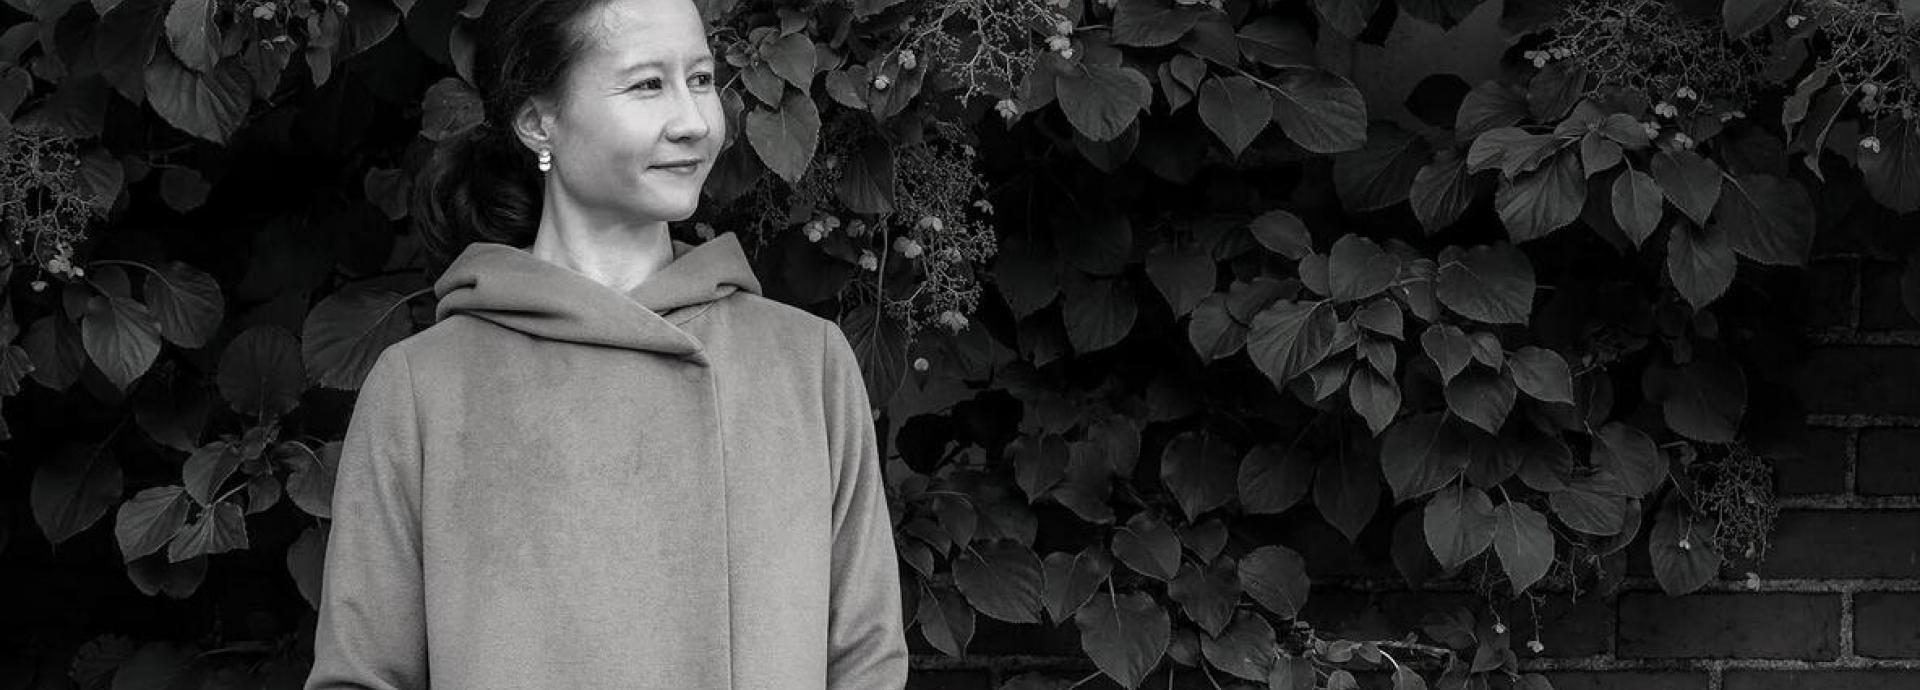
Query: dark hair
x=481 y=185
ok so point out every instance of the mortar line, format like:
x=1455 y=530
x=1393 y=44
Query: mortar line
x=1846 y=627
x=1862 y=421
x=1850 y=470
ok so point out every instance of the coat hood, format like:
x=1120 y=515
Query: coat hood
x=512 y=288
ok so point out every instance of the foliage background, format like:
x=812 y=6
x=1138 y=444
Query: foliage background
x=1141 y=286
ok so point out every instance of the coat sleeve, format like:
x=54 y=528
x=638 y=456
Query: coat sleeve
x=867 y=647
x=372 y=615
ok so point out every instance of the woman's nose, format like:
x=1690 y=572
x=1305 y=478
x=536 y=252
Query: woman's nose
x=689 y=120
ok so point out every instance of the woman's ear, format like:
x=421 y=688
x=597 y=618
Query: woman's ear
x=533 y=124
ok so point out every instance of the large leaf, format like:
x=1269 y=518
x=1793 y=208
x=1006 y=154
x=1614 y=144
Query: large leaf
x=220 y=528
x=1449 y=348
x=1212 y=331
x=1631 y=457
x=260 y=372
x=1637 y=205
x=791 y=57
x=1319 y=110
x=1151 y=22
x=57 y=352
x=1357 y=268
x=1098 y=312
x=1703 y=400
x=1072 y=579
x=1491 y=105
x=1028 y=280
x=1681 y=550
x=1208 y=594
x=786 y=137
x=1482 y=397
x=1102 y=100
x=946 y=621
x=208 y=105
x=1459 y=524
x=1002 y=580
x=1692 y=183
x=1375 y=396
x=207 y=468
x=1543 y=374
x=1288 y=338
x=880 y=346
x=1442 y=191
x=1148 y=546
x=146 y=521
x=1234 y=109
x=1200 y=469
x=306 y=563
x=186 y=302
x=192 y=34
x=1700 y=262
x=1489 y=283
x=1892 y=173
x=1346 y=490
x=1125 y=635
x=1590 y=512
x=1524 y=542
x=1537 y=203
x=1421 y=453
x=310 y=485
x=1380 y=173
x=72 y=491
x=1744 y=17
x=1282 y=233
x=449 y=107
x=1276 y=577
x=121 y=337
x=867 y=182
x=348 y=330
x=1185 y=275
x=1244 y=649
x=1767 y=219
x=1349 y=17
x=1273 y=479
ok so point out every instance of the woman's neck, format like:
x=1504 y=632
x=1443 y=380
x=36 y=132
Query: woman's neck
x=618 y=255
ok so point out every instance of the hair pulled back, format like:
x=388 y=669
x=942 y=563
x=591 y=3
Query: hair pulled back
x=481 y=185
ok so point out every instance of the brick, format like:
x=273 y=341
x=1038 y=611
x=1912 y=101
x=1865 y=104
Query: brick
x=1881 y=308
x=1860 y=380
x=1568 y=628
x=1628 y=680
x=949 y=680
x=1883 y=625
x=1889 y=463
x=1827 y=295
x=1821 y=470
x=1844 y=544
x=1820 y=680
x=1751 y=626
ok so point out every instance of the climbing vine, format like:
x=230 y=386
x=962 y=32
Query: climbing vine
x=1146 y=290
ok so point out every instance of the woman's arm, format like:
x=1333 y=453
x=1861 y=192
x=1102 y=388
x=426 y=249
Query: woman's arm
x=372 y=628
x=867 y=647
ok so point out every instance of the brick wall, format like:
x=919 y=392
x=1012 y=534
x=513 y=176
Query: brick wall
x=1838 y=601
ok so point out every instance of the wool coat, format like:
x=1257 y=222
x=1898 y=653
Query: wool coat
x=558 y=485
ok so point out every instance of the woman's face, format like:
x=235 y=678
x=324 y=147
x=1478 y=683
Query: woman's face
x=638 y=104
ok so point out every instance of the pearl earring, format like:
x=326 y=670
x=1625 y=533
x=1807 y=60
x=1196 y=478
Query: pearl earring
x=546 y=160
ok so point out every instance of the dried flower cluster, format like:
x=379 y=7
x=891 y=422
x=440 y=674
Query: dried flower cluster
x=1648 y=46
x=44 y=202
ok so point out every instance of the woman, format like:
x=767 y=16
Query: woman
x=611 y=463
